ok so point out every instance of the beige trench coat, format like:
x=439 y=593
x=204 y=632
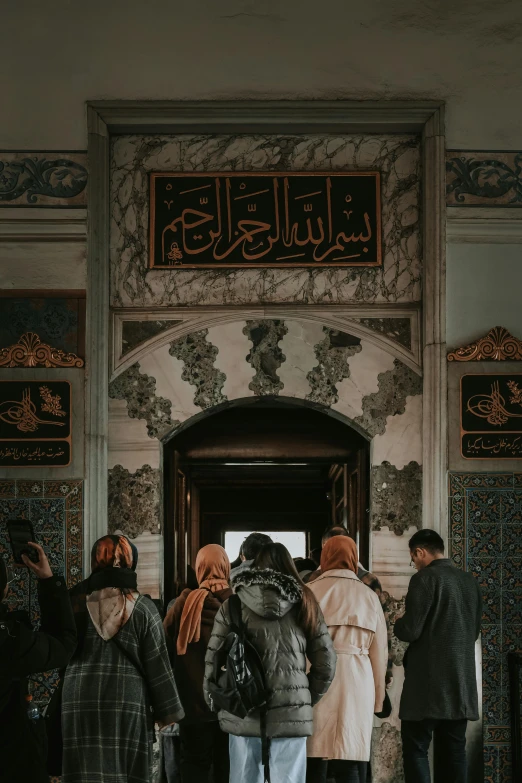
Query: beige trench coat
x=343 y=719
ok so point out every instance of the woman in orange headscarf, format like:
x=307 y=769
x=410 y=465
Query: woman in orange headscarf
x=188 y=626
x=343 y=719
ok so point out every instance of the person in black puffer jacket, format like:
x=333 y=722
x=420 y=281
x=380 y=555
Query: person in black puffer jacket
x=286 y=626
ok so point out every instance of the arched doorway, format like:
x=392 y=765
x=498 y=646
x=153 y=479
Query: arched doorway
x=266 y=464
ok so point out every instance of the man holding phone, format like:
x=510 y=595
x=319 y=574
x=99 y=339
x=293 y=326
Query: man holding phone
x=24 y=652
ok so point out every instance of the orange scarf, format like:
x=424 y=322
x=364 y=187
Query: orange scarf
x=339 y=552
x=213 y=572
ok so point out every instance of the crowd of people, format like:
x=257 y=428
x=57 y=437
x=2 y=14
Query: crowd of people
x=317 y=628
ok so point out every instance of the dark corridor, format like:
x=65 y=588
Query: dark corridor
x=267 y=465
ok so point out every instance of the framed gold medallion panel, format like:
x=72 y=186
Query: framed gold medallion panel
x=35 y=423
x=265 y=219
x=491 y=416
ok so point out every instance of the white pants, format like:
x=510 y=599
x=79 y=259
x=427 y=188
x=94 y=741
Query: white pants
x=287 y=760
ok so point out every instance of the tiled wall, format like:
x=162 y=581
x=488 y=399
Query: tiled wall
x=486 y=539
x=56 y=511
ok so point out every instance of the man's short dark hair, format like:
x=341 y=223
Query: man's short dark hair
x=426 y=539
x=336 y=530
x=253 y=543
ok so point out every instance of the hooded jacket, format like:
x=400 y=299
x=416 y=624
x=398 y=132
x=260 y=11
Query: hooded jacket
x=269 y=605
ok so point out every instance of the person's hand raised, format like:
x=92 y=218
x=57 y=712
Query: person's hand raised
x=41 y=569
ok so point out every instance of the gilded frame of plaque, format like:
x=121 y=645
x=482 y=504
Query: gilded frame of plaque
x=32 y=413
x=491 y=403
x=327 y=231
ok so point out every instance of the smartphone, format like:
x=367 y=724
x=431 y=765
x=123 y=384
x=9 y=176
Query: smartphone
x=20 y=533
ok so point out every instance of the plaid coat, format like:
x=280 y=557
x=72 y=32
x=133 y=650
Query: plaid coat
x=109 y=707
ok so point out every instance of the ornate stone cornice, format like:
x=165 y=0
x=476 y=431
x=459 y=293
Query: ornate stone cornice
x=29 y=351
x=498 y=345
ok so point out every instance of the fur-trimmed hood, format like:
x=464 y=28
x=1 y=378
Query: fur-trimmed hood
x=266 y=592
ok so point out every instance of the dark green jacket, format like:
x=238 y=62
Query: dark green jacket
x=442 y=623
x=269 y=609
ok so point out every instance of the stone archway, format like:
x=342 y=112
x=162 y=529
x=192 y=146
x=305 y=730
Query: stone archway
x=346 y=375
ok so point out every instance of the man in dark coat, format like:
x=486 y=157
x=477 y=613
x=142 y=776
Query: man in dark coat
x=442 y=623
x=24 y=652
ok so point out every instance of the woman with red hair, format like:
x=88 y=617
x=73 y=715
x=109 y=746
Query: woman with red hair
x=119 y=681
x=343 y=719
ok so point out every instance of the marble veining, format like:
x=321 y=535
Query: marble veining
x=265 y=356
x=198 y=357
x=332 y=354
x=134 y=500
x=394 y=387
x=139 y=392
x=398 y=329
x=396 y=497
x=133 y=333
x=134 y=157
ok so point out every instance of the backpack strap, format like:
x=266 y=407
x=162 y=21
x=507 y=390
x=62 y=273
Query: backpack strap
x=238 y=626
x=236 y=619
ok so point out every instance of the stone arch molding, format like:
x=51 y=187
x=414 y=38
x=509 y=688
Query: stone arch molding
x=185 y=373
x=183 y=325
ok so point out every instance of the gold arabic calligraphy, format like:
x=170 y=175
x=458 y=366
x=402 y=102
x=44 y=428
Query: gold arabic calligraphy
x=23 y=413
x=28 y=453
x=219 y=219
x=492 y=407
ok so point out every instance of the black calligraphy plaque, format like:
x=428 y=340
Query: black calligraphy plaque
x=269 y=219
x=491 y=416
x=35 y=423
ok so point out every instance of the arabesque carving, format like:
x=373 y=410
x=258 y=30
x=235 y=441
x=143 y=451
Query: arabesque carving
x=30 y=351
x=498 y=345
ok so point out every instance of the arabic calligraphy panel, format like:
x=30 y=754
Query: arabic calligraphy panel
x=241 y=219
x=35 y=423
x=491 y=416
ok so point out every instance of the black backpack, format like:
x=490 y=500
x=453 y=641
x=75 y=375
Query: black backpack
x=238 y=680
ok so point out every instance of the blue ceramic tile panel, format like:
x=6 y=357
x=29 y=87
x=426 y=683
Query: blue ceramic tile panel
x=486 y=539
x=56 y=511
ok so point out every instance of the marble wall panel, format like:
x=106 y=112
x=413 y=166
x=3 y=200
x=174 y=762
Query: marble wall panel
x=332 y=354
x=134 y=500
x=150 y=563
x=129 y=443
x=133 y=157
x=401 y=441
x=365 y=368
x=298 y=346
x=139 y=392
x=265 y=355
x=168 y=372
x=395 y=386
x=396 y=497
x=134 y=333
x=198 y=356
x=233 y=347
x=398 y=329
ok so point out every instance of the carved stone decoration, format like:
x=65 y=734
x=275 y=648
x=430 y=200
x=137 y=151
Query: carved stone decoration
x=498 y=345
x=30 y=351
x=41 y=179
